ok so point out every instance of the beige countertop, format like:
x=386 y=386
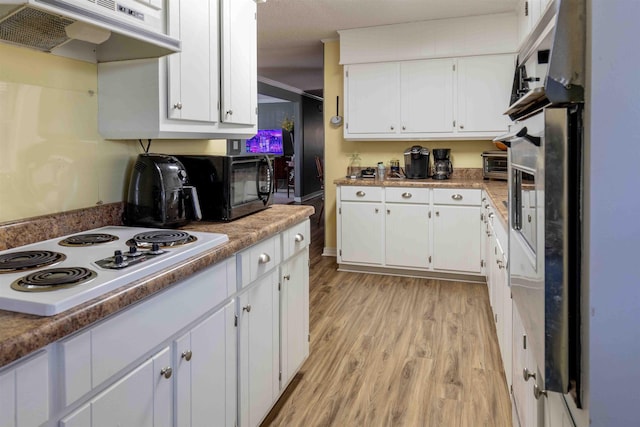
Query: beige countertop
x=21 y=334
x=497 y=190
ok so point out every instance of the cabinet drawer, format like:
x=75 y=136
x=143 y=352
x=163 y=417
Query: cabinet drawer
x=295 y=239
x=361 y=193
x=259 y=259
x=407 y=195
x=457 y=196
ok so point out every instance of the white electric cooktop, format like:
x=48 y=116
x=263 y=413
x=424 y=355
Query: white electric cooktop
x=91 y=266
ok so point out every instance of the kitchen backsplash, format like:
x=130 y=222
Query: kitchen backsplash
x=52 y=157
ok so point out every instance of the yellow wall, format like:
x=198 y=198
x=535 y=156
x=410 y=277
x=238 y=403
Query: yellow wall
x=464 y=154
x=52 y=158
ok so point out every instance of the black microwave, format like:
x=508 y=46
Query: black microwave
x=230 y=187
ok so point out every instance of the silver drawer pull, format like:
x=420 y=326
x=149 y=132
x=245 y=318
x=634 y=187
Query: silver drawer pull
x=299 y=238
x=491 y=215
x=360 y=193
x=264 y=258
x=166 y=372
x=247 y=308
x=186 y=355
x=538 y=392
x=457 y=197
x=406 y=195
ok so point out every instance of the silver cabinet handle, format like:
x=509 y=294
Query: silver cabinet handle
x=166 y=372
x=230 y=112
x=529 y=218
x=457 y=197
x=377 y=210
x=526 y=374
x=287 y=277
x=299 y=238
x=264 y=258
x=500 y=264
x=404 y=128
x=538 y=393
x=392 y=128
x=178 y=105
x=247 y=308
x=406 y=195
x=361 y=193
x=388 y=211
x=186 y=355
x=491 y=215
x=461 y=126
x=437 y=213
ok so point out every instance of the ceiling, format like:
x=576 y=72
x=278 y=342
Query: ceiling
x=290 y=31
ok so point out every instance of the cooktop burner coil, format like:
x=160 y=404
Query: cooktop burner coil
x=89 y=239
x=163 y=238
x=53 y=278
x=28 y=260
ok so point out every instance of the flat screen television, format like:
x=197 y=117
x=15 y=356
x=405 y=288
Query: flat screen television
x=268 y=141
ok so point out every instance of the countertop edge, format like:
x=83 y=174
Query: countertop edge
x=23 y=334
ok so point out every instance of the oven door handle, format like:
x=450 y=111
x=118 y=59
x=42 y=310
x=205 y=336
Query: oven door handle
x=507 y=138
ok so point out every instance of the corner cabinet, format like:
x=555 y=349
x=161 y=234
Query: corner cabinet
x=208 y=90
x=451 y=98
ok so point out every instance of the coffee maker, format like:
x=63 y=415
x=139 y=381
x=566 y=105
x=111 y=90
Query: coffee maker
x=416 y=162
x=442 y=166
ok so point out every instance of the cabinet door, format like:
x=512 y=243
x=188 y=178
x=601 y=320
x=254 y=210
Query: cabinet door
x=456 y=238
x=239 y=62
x=206 y=371
x=194 y=71
x=407 y=235
x=259 y=347
x=362 y=226
x=372 y=98
x=484 y=90
x=142 y=398
x=426 y=93
x=24 y=393
x=294 y=315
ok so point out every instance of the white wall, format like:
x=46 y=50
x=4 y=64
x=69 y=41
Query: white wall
x=613 y=213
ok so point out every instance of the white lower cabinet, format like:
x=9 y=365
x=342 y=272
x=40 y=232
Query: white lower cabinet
x=457 y=233
x=205 y=361
x=258 y=313
x=24 y=392
x=407 y=213
x=294 y=315
x=410 y=228
x=361 y=225
x=524 y=366
x=143 y=398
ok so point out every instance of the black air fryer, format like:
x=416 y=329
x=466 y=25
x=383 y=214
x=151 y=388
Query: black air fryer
x=416 y=162
x=159 y=194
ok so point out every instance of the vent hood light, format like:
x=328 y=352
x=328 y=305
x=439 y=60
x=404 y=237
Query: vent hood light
x=95 y=31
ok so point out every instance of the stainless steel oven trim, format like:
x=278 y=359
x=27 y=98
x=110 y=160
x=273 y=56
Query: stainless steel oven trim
x=543 y=298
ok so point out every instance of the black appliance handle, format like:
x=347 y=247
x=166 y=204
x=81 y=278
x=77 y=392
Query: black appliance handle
x=191 y=197
x=264 y=195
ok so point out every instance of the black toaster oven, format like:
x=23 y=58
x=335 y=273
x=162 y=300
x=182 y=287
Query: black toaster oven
x=495 y=165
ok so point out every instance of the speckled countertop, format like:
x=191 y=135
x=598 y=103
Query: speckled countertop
x=497 y=190
x=21 y=334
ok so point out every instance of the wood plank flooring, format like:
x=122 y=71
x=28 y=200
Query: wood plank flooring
x=395 y=351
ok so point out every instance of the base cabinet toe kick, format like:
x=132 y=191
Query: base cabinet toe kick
x=217 y=348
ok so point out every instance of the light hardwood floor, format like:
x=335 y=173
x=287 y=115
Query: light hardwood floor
x=394 y=351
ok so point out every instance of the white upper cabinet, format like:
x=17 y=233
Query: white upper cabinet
x=239 y=62
x=441 y=79
x=426 y=89
x=484 y=88
x=193 y=72
x=372 y=98
x=452 y=98
x=180 y=96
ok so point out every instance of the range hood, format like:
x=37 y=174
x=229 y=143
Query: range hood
x=91 y=30
x=550 y=68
